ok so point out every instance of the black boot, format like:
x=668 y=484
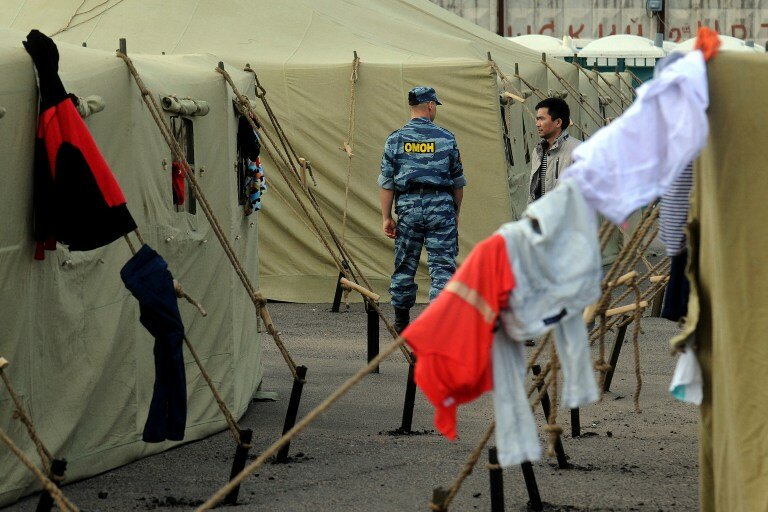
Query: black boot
x=402 y=319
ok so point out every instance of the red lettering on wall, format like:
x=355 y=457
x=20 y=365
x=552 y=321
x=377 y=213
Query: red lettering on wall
x=600 y=30
x=739 y=27
x=639 y=30
x=577 y=33
x=550 y=26
x=675 y=35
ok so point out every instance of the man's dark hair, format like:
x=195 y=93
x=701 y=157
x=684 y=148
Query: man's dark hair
x=557 y=109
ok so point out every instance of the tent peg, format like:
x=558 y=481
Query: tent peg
x=496 y=477
x=292 y=412
x=372 y=333
x=221 y=65
x=238 y=463
x=410 y=398
x=123 y=46
x=58 y=467
x=355 y=54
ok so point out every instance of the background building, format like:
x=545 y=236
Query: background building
x=678 y=20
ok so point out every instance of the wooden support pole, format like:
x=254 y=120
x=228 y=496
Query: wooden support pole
x=346 y=283
x=241 y=456
x=625 y=309
x=292 y=412
x=624 y=279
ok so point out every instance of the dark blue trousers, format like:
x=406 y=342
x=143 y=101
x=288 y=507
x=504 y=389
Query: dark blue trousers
x=147 y=277
x=675 y=304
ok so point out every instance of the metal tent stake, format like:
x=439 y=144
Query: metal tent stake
x=292 y=412
x=58 y=467
x=241 y=456
x=615 y=351
x=373 y=334
x=496 y=477
x=410 y=398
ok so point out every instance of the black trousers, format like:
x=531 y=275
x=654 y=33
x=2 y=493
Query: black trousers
x=147 y=277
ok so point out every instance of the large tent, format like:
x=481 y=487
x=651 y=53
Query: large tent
x=302 y=52
x=79 y=359
x=91 y=344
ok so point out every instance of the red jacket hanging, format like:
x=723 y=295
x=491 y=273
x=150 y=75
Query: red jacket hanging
x=77 y=200
x=452 y=338
x=177 y=183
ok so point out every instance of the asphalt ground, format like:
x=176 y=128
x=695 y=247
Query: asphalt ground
x=349 y=460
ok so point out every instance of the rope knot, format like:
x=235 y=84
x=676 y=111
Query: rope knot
x=602 y=366
x=554 y=431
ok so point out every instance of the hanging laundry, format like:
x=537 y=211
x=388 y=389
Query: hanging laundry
x=147 y=277
x=687 y=383
x=675 y=305
x=452 y=338
x=555 y=255
x=177 y=183
x=77 y=200
x=636 y=158
x=673 y=215
x=517 y=439
x=255 y=186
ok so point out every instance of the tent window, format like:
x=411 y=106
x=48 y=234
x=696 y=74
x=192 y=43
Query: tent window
x=507 y=136
x=184 y=133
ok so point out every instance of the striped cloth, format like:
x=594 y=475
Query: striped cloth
x=543 y=173
x=674 y=212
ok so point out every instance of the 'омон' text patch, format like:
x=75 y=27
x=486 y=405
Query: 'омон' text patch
x=419 y=147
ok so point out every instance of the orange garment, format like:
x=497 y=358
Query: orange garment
x=708 y=42
x=452 y=338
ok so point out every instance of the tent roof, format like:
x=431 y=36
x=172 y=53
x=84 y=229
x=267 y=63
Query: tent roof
x=297 y=31
x=727 y=43
x=622 y=45
x=552 y=46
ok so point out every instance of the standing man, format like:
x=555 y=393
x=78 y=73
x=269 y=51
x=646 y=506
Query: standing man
x=421 y=173
x=553 y=152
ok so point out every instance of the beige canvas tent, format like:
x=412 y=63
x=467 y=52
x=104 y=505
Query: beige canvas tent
x=302 y=52
x=92 y=345
x=78 y=356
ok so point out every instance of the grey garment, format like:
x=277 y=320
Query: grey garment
x=558 y=158
x=517 y=439
x=555 y=258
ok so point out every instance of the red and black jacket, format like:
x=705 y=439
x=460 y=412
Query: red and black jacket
x=77 y=200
